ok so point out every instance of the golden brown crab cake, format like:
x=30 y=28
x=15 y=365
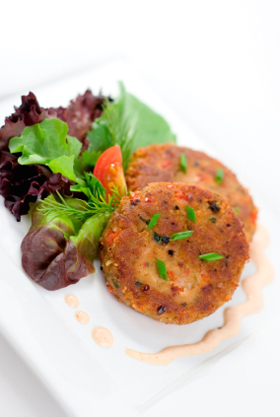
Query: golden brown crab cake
x=157 y=163
x=134 y=257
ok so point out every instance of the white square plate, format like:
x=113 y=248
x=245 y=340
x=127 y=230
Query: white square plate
x=89 y=380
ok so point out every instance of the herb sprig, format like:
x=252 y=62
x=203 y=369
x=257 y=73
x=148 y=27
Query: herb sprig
x=97 y=204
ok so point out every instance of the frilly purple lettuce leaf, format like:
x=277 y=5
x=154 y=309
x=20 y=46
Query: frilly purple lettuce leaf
x=80 y=114
x=58 y=251
x=51 y=260
x=21 y=185
x=27 y=114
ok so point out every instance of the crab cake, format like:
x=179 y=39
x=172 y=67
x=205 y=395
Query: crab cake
x=160 y=272
x=157 y=163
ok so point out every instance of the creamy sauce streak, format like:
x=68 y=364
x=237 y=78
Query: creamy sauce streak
x=71 y=300
x=82 y=317
x=103 y=337
x=252 y=286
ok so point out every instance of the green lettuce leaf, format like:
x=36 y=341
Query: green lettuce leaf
x=129 y=123
x=100 y=136
x=87 y=240
x=64 y=165
x=86 y=162
x=44 y=142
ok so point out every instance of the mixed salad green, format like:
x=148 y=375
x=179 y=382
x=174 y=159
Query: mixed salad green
x=81 y=179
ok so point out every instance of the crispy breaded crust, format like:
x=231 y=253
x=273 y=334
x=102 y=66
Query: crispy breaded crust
x=157 y=163
x=195 y=287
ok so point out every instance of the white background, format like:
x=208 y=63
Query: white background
x=217 y=63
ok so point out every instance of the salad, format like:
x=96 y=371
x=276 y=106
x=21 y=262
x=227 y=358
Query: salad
x=66 y=166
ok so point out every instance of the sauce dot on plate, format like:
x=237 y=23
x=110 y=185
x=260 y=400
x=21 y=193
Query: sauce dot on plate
x=71 y=300
x=103 y=337
x=82 y=317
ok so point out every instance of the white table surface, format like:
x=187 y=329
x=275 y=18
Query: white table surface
x=216 y=63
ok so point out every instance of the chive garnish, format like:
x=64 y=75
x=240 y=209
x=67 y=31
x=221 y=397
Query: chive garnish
x=191 y=214
x=162 y=269
x=181 y=235
x=183 y=163
x=210 y=256
x=219 y=176
x=236 y=210
x=154 y=220
x=212 y=219
x=138 y=283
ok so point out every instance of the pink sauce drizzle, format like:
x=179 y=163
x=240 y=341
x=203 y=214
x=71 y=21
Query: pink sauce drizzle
x=82 y=317
x=71 y=301
x=103 y=337
x=252 y=287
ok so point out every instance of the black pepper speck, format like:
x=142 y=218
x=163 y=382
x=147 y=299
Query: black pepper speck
x=135 y=202
x=214 y=206
x=165 y=239
x=156 y=237
x=161 y=310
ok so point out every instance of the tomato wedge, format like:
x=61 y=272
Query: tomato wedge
x=109 y=171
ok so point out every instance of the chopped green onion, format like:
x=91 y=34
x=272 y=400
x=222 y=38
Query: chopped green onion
x=154 y=220
x=219 y=176
x=213 y=219
x=181 y=235
x=191 y=214
x=211 y=257
x=183 y=163
x=138 y=284
x=162 y=269
x=236 y=210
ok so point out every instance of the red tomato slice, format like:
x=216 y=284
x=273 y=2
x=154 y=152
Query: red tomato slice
x=109 y=171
